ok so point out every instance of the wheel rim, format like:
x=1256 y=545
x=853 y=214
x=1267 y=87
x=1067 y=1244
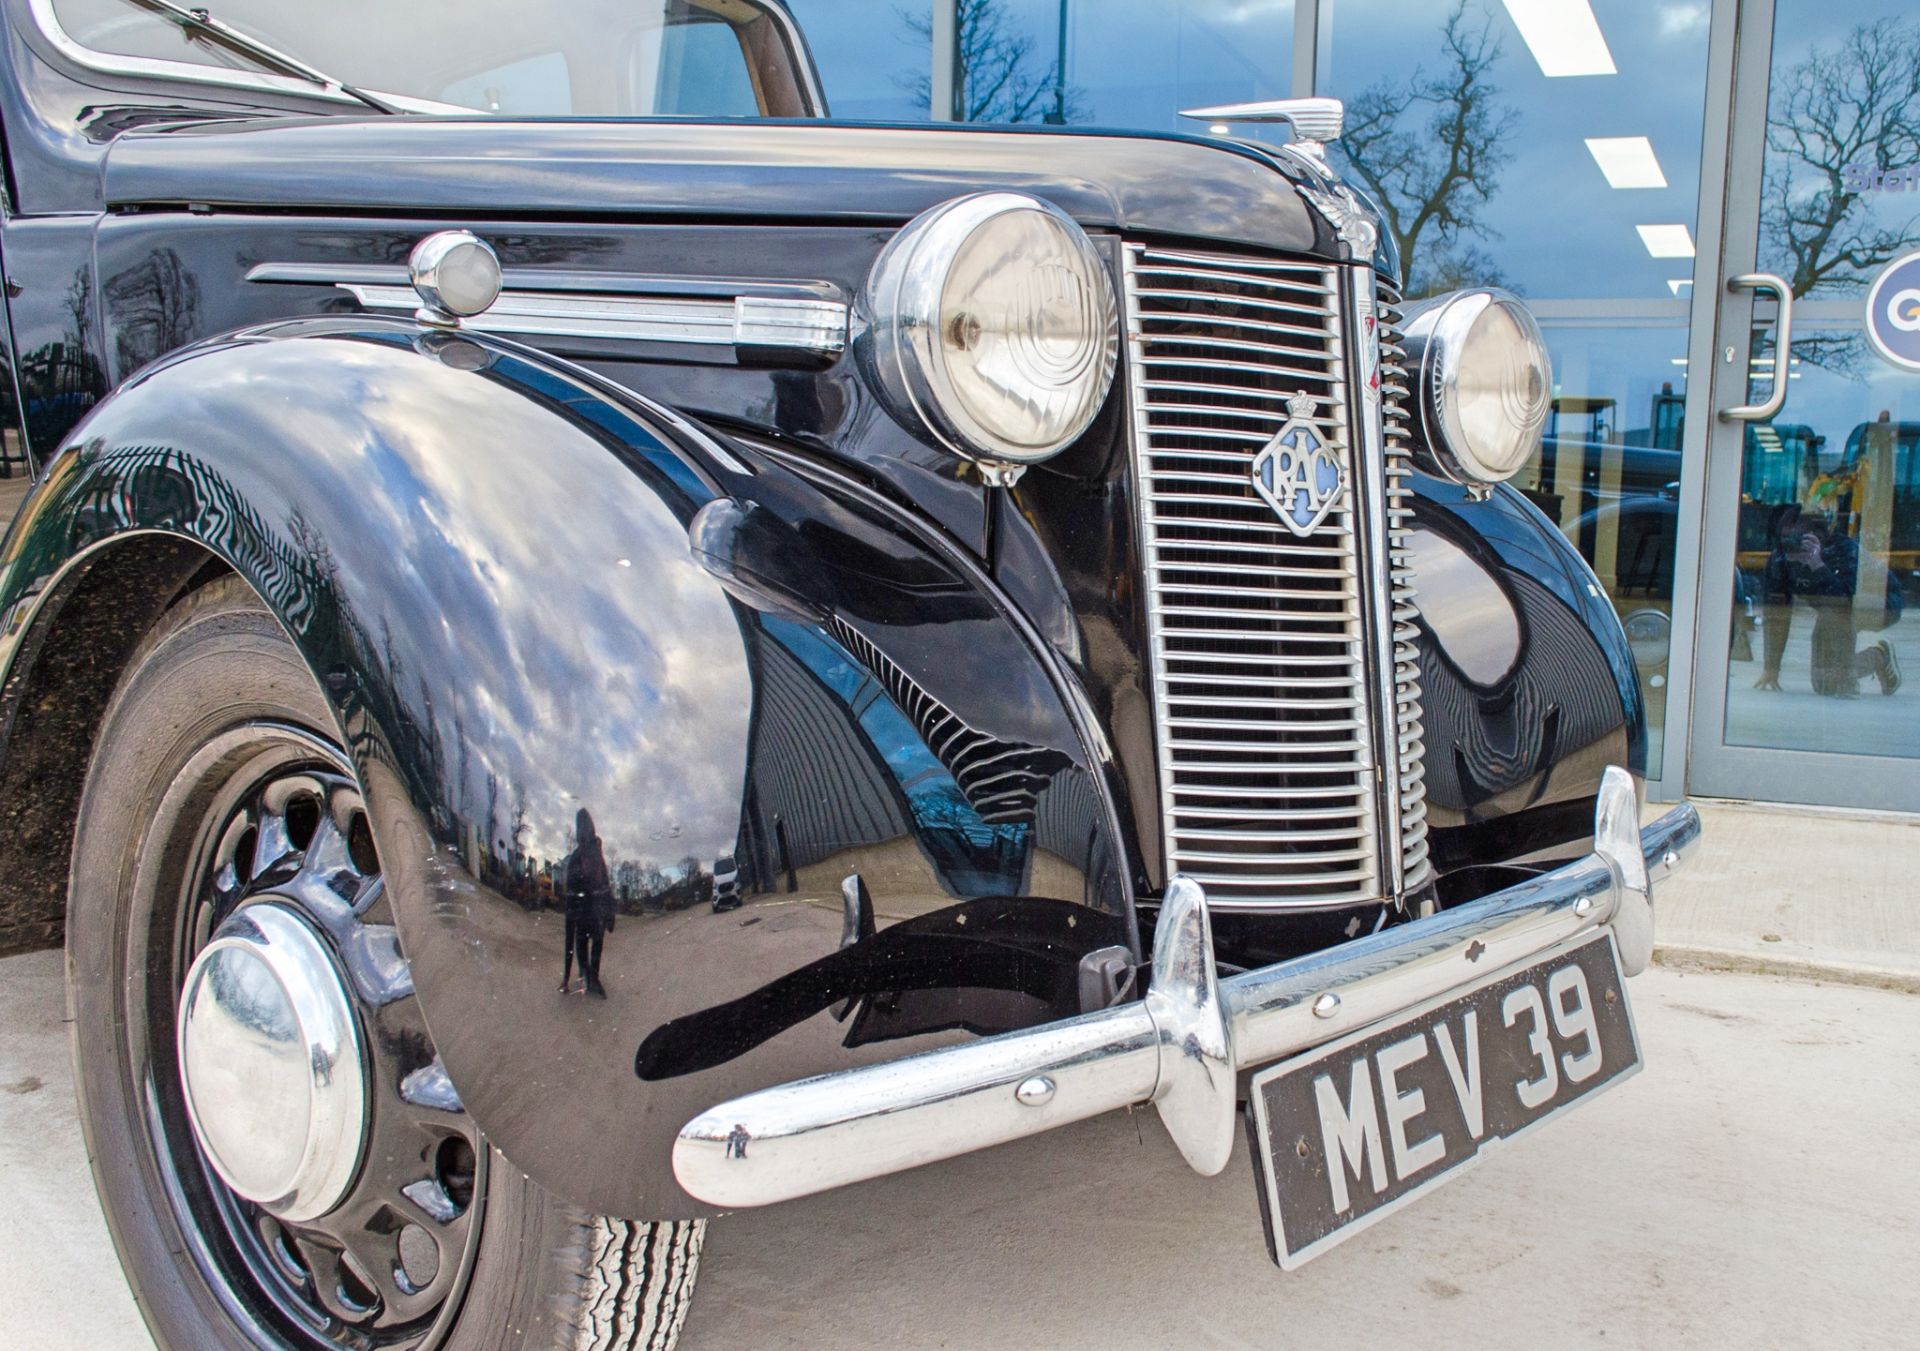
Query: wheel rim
x=310 y=1143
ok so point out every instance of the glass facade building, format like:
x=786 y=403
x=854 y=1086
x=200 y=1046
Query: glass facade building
x=1622 y=167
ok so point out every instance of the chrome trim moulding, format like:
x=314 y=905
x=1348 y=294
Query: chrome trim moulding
x=1181 y=1047
x=1403 y=690
x=744 y=321
x=1374 y=560
x=798 y=316
x=557 y=279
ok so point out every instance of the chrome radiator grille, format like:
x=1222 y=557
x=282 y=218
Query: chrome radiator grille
x=1267 y=660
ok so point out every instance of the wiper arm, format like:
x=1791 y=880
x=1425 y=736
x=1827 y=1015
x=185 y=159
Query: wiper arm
x=199 y=22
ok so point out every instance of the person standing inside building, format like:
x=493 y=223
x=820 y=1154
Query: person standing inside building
x=1813 y=562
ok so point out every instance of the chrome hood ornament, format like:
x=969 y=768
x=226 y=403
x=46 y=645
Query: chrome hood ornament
x=1310 y=122
x=1348 y=216
x=1297 y=472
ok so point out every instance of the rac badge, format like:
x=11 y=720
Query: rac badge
x=1297 y=473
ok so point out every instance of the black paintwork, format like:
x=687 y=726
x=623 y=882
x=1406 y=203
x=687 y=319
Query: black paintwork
x=576 y=168
x=485 y=560
x=1513 y=764
x=485 y=553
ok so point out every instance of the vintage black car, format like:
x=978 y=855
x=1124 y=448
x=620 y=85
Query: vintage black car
x=489 y=459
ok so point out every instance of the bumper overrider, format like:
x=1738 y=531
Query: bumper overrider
x=1182 y=1047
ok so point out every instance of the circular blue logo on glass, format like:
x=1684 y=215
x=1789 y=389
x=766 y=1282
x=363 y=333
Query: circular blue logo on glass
x=1893 y=313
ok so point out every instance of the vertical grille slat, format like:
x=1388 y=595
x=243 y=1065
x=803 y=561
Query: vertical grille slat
x=1270 y=752
x=1415 y=868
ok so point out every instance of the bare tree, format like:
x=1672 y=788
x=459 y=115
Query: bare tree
x=1837 y=122
x=626 y=882
x=1844 y=116
x=1430 y=150
x=998 y=78
x=156 y=304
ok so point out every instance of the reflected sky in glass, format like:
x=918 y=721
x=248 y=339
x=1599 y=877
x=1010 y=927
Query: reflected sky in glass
x=1135 y=63
x=1129 y=63
x=1551 y=204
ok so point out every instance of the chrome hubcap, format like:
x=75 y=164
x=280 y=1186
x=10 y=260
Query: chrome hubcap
x=322 y=1156
x=271 y=1064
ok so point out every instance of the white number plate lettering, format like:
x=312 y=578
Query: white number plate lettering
x=1350 y=1130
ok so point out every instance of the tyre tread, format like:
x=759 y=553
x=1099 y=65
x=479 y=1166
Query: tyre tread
x=633 y=1292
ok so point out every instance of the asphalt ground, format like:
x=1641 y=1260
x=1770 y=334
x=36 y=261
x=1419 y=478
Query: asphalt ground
x=1755 y=1186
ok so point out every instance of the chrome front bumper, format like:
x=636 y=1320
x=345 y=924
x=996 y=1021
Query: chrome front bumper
x=1182 y=1047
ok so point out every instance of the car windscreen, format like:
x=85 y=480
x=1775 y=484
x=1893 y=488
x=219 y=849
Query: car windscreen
x=591 y=58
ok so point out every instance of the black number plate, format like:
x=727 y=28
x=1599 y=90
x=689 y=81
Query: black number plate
x=1347 y=1132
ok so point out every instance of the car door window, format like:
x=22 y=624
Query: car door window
x=700 y=70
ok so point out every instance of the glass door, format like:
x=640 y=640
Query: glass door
x=1808 y=684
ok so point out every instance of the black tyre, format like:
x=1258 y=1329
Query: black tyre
x=219 y=813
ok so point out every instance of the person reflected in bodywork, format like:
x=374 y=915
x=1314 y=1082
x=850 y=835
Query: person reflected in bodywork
x=588 y=892
x=1813 y=562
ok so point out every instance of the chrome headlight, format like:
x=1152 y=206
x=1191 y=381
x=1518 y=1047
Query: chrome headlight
x=1485 y=383
x=989 y=327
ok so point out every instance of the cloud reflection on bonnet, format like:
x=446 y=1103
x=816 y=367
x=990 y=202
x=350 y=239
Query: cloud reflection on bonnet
x=567 y=701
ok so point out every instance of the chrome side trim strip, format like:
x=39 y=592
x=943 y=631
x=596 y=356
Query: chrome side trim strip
x=810 y=325
x=332 y=274
x=1179 y=1047
x=559 y=315
x=799 y=320
x=557 y=279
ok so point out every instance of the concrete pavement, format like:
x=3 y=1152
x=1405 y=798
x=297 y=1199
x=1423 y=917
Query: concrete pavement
x=60 y=1285
x=1755 y=1186
x=1797 y=891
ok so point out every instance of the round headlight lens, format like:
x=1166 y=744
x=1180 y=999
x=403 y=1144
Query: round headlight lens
x=990 y=326
x=1486 y=383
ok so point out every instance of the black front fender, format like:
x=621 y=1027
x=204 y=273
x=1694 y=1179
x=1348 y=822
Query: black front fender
x=484 y=557
x=1528 y=688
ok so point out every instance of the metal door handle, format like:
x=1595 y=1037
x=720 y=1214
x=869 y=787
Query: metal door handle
x=1765 y=410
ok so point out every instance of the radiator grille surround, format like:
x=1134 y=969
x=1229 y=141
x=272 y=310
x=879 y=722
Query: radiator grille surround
x=1284 y=743
x=1397 y=451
